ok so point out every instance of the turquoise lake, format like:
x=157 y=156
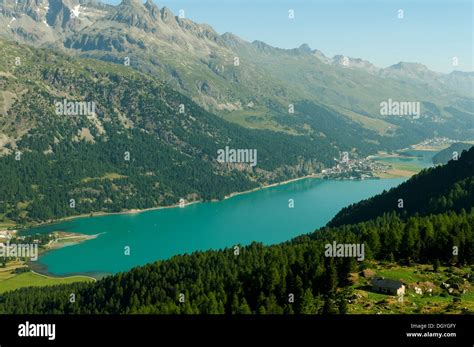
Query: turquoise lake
x=262 y=216
x=416 y=157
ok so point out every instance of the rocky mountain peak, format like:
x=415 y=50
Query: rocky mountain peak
x=152 y=9
x=410 y=70
x=167 y=15
x=305 y=48
x=231 y=40
x=135 y=13
x=412 y=67
x=131 y=3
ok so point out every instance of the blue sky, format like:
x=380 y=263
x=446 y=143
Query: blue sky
x=432 y=32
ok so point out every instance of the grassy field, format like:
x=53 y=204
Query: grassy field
x=11 y=281
x=6 y=223
x=374 y=124
x=108 y=176
x=256 y=118
x=413 y=167
x=398 y=169
x=435 y=298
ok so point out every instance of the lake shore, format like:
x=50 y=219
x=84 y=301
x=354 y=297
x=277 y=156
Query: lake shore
x=69 y=239
x=396 y=171
x=398 y=168
x=263 y=216
x=65 y=239
x=136 y=211
x=383 y=154
x=429 y=148
x=399 y=173
x=272 y=185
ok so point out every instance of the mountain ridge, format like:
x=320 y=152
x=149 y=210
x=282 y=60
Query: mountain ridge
x=172 y=153
x=30 y=7
x=253 y=84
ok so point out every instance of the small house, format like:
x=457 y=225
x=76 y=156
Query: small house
x=387 y=286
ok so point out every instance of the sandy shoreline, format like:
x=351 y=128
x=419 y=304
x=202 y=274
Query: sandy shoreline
x=429 y=148
x=271 y=185
x=68 y=239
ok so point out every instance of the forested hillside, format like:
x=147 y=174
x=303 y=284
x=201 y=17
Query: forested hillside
x=249 y=83
x=453 y=151
x=434 y=190
x=262 y=279
x=144 y=146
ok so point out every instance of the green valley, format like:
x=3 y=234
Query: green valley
x=157 y=155
x=151 y=163
x=295 y=276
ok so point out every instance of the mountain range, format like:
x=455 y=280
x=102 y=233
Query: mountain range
x=165 y=95
x=140 y=150
x=249 y=83
x=169 y=93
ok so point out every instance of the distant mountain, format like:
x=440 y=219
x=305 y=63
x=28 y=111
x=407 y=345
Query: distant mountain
x=249 y=83
x=461 y=82
x=411 y=70
x=450 y=153
x=434 y=190
x=457 y=81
